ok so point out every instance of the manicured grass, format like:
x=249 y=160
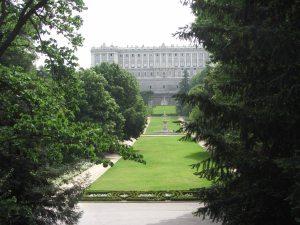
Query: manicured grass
x=156 y=124
x=168 y=167
x=160 y=109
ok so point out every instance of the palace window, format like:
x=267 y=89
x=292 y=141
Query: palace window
x=164 y=86
x=150 y=87
x=97 y=58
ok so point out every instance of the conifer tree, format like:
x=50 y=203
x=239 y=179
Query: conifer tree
x=249 y=110
x=184 y=87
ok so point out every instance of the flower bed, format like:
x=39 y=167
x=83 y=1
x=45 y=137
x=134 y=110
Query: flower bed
x=182 y=195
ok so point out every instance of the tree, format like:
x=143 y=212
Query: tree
x=123 y=87
x=48 y=119
x=185 y=108
x=199 y=77
x=184 y=87
x=146 y=95
x=34 y=135
x=184 y=84
x=23 y=23
x=98 y=105
x=248 y=110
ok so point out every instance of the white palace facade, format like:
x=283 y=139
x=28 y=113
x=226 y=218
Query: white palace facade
x=157 y=69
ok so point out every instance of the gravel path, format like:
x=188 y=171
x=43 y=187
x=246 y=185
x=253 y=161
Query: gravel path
x=175 y=213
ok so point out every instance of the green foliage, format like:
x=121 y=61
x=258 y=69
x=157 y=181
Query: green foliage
x=29 y=25
x=184 y=87
x=123 y=87
x=53 y=118
x=184 y=84
x=97 y=105
x=34 y=131
x=146 y=95
x=247 y=110
x=178 y=195
x=40 y=136
x=199 y=78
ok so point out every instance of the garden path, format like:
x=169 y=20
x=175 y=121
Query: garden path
x=130 y=213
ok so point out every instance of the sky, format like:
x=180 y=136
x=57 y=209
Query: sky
x=131 y=23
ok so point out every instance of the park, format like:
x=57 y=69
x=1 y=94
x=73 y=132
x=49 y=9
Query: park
x=138 y=112
x=168 y=163
x=167 y=176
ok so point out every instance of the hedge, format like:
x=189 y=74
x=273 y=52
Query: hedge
x=178 y=195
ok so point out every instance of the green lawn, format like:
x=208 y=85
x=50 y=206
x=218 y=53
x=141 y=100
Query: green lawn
x=156 y=124
x=168 y=167
x=160 y=109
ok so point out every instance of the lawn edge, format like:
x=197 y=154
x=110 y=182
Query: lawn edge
x=138 y=196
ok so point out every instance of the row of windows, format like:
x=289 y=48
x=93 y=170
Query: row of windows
x=169 y=64
x=158 y=54
x=164 y=74
x=139 y=63
x=110 y=55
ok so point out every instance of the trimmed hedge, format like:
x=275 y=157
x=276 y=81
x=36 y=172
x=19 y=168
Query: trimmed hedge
x=161 y=114
x=181 y=195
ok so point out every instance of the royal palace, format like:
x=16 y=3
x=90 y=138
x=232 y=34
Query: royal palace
x=157 y=69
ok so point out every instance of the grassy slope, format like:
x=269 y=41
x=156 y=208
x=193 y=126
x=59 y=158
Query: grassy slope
x=156 y=124
x=159 y=110
x=167 y=168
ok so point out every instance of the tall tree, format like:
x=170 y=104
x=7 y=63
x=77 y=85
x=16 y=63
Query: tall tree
x=98 y=105
x=48 y=119
x=123 y=87
x=184 y=87
x=184 y=84
x=249 y=110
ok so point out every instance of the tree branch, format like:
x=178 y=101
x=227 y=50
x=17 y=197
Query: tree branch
x=3 y=12
x=23 y=18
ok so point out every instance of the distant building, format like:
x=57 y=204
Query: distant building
x=157 y=69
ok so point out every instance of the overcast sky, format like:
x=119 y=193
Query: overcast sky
x=131 y=22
